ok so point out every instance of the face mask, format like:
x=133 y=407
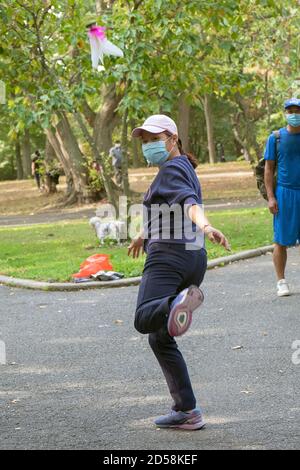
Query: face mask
x=293 y=119
x=156 y=152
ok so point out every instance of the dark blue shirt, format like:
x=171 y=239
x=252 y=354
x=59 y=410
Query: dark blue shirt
x=175 y=183
x=288 y=158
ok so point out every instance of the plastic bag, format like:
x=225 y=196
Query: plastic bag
x=94 y=264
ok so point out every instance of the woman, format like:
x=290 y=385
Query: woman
x=175 y=265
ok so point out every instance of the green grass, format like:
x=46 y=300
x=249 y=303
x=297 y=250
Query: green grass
x=53 y=252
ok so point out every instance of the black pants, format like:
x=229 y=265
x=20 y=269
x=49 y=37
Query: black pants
x=168 y=269
x=37 y=177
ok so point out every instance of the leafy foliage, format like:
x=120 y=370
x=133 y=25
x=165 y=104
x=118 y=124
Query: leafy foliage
x=244 y=54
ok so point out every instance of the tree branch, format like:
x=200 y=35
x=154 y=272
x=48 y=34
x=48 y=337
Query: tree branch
x=137 y=3
x=44 y=15
x=25 y=7
x=88 y=113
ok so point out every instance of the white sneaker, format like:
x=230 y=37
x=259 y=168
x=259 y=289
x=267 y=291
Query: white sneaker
x=283 y=288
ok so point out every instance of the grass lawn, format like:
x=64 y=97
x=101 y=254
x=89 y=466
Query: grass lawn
x=53 y=252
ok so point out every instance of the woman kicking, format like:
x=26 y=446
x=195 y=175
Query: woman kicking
x=176 y=261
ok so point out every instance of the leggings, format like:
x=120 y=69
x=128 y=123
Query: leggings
x=168 y=269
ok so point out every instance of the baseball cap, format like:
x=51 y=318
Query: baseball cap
x=156 y=124
x=292 y=102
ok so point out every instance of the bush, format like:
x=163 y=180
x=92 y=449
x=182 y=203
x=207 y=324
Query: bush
x=7 y=172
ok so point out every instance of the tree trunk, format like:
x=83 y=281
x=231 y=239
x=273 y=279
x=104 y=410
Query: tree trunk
x=88 y=113
x=50 y=163
x=124 y=154
x=106 y=178
x=135 y=152
x=210 y=130
x=26 y=154
x=250 y=138
x=105 y=120
x=251 y=115
x=184 y=121
x=74 y=157
x=52 y=137
x=67 y=150
x=20 y=173
x=240 y=141
x=267 y=94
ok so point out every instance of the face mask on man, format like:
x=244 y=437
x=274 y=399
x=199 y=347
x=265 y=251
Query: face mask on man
x=156 y=153
x=293 y=119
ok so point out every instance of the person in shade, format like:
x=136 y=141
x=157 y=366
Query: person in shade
x=116 y=154
x=284 y=199
x=36 y=168
x=220 y=152
x=176 y=261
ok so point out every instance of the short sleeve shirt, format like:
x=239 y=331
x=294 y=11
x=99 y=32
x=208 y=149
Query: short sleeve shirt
x=175 y=186
x=288 y=158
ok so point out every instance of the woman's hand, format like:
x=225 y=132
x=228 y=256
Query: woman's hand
x=215 y=236
x=136 y=246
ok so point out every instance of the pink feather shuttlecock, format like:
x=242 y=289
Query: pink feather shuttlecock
x=101 y=46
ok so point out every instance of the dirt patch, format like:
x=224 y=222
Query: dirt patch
x=22 y=197
x=233 y=181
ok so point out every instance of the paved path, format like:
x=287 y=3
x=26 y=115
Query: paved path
x=76 y=379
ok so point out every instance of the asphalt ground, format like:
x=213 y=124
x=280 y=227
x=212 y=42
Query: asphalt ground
x=78 y=376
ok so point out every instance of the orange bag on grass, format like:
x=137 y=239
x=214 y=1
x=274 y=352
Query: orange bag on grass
x=99 y=258
x=93 y=264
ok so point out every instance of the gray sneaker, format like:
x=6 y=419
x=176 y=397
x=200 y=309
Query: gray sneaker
x=181 y=420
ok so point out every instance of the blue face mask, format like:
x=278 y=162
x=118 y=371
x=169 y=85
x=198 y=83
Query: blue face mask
x=156 y=152
x=293 y=119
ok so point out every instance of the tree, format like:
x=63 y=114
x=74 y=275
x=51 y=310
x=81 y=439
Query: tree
x=184 y=59
x=52 y=94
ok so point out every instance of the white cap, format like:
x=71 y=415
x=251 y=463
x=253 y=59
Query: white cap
x=156 y=124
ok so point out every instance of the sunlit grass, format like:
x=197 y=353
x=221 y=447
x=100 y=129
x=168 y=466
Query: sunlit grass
x=53 y=252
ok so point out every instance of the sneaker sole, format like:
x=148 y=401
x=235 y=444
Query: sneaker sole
x=186 y=426
x=286 y=294
x=180 y=317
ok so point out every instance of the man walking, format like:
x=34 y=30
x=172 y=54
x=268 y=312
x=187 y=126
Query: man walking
x=116 y=155
x=283 y=152
x=220 y=152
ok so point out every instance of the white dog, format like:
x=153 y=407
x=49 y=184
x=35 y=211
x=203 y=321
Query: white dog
x=114 y=229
